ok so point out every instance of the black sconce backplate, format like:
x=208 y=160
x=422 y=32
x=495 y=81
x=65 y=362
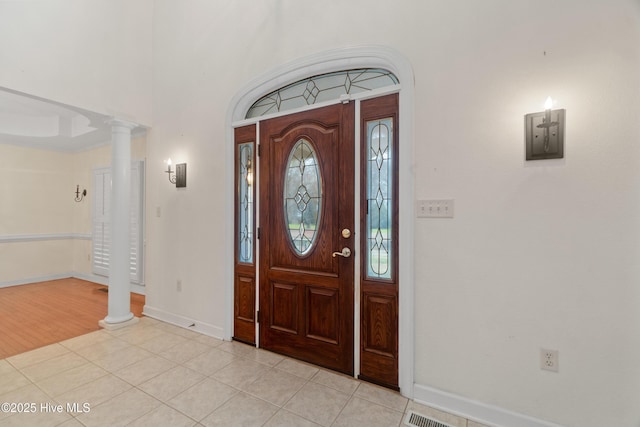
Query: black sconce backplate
x=535 y=133
x=181 y=175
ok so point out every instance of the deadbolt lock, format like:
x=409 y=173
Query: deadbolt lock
x=346 y=233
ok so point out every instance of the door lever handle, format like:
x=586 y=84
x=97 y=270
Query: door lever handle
x=346 y=253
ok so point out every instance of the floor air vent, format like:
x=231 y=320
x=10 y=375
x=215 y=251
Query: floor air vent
x=414 y=419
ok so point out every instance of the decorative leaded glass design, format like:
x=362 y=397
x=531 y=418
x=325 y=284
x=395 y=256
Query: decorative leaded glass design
x=379 y=198
x=302 y=196
x=245 y=202
x=325 y=87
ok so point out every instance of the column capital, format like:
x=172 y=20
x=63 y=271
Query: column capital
x=114 y=122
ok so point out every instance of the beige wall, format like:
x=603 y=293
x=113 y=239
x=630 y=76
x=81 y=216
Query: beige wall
x=83 y=165
x=36 y=187
x=44 y=233
x=36 y=200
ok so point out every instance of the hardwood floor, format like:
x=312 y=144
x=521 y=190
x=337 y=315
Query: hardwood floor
x=44 y=313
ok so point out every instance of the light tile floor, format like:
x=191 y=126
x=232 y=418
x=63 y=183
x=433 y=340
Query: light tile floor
x=157 y=374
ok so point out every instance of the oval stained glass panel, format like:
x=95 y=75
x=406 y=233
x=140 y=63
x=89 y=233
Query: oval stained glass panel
x=302 y=196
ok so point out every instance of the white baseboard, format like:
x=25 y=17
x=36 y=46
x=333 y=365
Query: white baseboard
x=184 y=322
x=101 y=280
x=135 y=288
x=138 y=289
x=35 y=279
x=474 y=410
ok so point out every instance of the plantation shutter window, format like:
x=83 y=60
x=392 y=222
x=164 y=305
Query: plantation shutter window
x=101 y=221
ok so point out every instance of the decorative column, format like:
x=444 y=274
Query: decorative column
x=119 y=311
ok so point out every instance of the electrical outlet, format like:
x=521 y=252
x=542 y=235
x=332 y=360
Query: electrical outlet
x=549 y=360
x=179 y=285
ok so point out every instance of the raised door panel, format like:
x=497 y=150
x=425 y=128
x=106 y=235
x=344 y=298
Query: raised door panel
x=378 y=357
x=322 y=314
x=379 y=322
x=244 y=309
x=284 y=307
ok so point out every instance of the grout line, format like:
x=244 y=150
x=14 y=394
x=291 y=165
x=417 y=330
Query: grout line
x=237 y=353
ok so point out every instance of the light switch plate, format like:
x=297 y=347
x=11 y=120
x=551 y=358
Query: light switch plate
x=440 y=208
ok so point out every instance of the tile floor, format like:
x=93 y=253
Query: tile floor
x=157 y=374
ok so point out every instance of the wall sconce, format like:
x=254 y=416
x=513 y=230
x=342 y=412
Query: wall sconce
x=79 y=195
x=179 y=177
x=544 y=137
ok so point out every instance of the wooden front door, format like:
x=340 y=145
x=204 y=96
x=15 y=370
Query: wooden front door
x=307 y=218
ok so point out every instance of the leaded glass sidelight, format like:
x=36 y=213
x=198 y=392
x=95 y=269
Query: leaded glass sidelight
x=245 y=210
x=302 y=196
x=380 y=196
x=324 y=87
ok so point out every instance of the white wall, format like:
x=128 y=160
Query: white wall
x=539 y=253
x=91 y=54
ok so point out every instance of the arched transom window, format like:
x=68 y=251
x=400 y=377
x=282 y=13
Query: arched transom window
x=323 y=87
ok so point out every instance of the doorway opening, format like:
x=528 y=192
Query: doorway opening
x=249 y=136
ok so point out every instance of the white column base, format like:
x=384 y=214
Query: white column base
x=114 y=326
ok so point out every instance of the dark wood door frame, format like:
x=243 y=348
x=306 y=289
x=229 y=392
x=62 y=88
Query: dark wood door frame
x=379 y=296
x=244 y=286
x=378 y=346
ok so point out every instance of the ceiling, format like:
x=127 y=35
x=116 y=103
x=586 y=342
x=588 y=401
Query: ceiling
x=39 y=123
